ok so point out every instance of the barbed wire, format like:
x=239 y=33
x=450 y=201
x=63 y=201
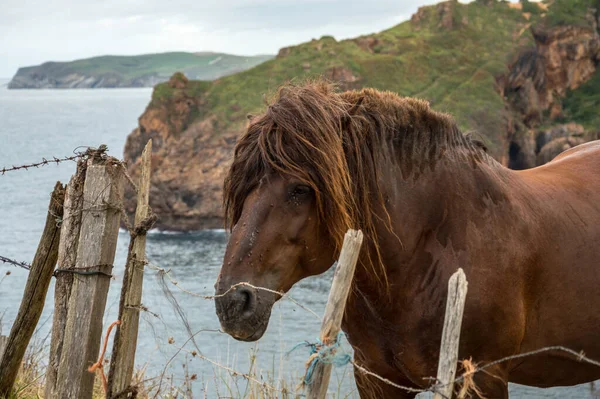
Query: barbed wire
x=43 y=162
x=434 y=388
x=17 y=263
x=100 y=151
x=167 y=273
x=580 y=356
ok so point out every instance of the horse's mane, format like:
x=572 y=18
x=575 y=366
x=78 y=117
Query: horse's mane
x=336 y=143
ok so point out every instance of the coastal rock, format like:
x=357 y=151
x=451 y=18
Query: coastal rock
x=556 y=146
x=342 y=76
x=367 y=43
x=560 y=131
x=284 y=52
x=443 y=15
x=189 y=161
x=563 y=58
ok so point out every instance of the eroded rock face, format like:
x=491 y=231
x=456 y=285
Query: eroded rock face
x=443 y=14
x=342 y=76
x=189 y=162
x=556 y=146
x=560 y=131
x=367 y=43
x=562 y=59
x=284 y=52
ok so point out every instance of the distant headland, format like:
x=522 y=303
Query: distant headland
x=144 y=70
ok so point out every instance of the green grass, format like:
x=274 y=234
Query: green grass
x=570 y=12
x=531 y=7
x=583 y=105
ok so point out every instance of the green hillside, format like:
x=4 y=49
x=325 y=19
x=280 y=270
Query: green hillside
x=204 y=66
x=127 y=71
x=452 y=63
x=450 y=54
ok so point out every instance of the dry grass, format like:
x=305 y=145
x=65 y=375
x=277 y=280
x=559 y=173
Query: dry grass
x=253 y=384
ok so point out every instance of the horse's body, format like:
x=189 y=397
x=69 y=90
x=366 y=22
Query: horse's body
x=429 y=201
x=532 y=259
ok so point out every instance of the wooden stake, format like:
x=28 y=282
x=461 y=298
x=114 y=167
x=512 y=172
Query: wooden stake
x=102 y=193
x=34 y=296
x=455 y=305
x=67 y=255
x=334 y=311
x=3 y=342
x=123 y=356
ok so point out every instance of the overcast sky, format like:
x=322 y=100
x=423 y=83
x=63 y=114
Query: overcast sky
x=35 y=31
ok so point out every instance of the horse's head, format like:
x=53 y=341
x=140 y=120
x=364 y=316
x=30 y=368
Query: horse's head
x=288 y=201
x=276 y=241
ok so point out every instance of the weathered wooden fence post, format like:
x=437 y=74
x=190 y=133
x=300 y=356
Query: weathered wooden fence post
x=34 y=295
x=455 y=305
x=67 y=254
x=3 y=341
x=334 y=311
x=123 y=355
x=102 y=196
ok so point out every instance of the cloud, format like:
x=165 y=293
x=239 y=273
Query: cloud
x=35 y=31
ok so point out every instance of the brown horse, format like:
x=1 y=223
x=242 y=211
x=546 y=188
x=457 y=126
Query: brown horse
x=429 y=200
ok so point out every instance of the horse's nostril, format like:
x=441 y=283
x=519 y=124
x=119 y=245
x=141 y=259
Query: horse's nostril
x=248 y=300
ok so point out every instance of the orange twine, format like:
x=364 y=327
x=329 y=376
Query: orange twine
x=99 y=364
x=468 y=386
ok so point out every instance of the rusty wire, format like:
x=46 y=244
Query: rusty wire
x=89 y=151
x=23 y=265
x=43 y=162
x=434 y=387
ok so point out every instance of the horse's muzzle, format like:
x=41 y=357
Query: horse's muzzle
x=243 y=312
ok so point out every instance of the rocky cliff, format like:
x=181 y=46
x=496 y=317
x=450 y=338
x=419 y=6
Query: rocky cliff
x=520 y=76
x=188 y=162
x=562 y=59
x=130 y=71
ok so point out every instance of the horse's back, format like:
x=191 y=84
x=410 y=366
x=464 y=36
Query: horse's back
x=583 y=160
x=579 y=165
x=589 y=149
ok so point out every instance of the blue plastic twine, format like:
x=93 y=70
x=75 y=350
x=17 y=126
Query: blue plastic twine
x=327 y=354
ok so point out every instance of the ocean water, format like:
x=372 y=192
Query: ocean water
x=36 y=124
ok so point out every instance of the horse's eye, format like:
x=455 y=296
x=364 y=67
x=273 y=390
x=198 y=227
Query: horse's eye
x=300 y=190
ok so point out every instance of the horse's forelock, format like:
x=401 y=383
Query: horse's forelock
x=306 y=142
x=300 y=135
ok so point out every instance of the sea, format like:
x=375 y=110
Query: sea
x=179 y=324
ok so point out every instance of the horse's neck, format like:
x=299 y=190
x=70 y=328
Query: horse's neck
x=436 y=208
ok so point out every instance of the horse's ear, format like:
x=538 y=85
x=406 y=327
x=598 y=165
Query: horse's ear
x=478 y=143
x=354 y=109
